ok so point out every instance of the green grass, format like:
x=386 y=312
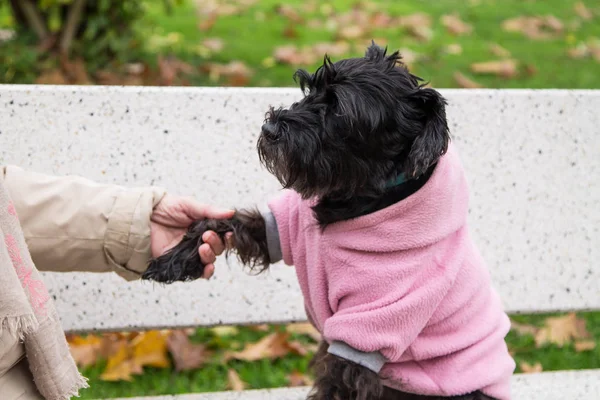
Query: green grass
x=253 y=40
x=211 y=377
x=269 y=374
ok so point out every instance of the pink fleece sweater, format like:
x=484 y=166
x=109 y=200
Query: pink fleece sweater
x=406 y=282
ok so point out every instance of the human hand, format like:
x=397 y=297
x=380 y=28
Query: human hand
x=170 y=221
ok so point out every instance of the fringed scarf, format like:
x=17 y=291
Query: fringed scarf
x=28 y=313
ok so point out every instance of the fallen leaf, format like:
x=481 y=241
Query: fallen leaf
x=85 y=350
x=531 y=369
x=294 y=56
x=523 y=329
x=186 y=355
x=112 y=343
x=409 y=57
x=120 y=367
x=52 y=77
x=75 y=71
x=561 y=330
x=236 y=73
x=455 y=25
x=150 y=348
x=351 y=32
x=223 y=331
x=554 y=23
x=504 y=68
x=534 y=27
x=234 y=382
x=135 y=68
x=304 y=329
x=289 y=13
x=454 y=49
x=275 y=345
x=299 y=348
x=167 y=71
x=579 y=52
x=336 y=49
x=594 y=48
x=290 y=32
x=213 y=44
x=465 y=82
x=585 y=345
x=531 y=69
x=381 y=20
x=208 y=22
x=418 y=25
x=130 y=352
x=583 y=11
x=499 y=51
x=296 y=379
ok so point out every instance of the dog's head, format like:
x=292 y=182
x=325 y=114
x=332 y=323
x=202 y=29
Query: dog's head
x=362 y=122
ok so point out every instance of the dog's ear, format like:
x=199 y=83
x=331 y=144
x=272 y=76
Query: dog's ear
x=378 y=54
x=432 y=143
x=323 y=77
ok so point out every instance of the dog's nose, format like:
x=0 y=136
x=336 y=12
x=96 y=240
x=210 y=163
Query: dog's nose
x=268 y=129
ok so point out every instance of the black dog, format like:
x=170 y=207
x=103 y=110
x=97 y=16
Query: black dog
x=363 y=123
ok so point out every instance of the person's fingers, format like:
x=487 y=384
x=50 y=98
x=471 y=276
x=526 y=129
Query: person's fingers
x=230 y=240
x=196 y=210
x=206 y=254
x=214 y=241
x=209 y=270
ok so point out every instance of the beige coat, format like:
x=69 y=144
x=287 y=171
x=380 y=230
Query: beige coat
x=73 y=224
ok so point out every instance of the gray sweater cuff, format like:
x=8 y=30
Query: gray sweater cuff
x=273 y=243
x=373 y=361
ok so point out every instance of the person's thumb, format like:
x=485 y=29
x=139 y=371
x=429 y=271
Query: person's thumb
x=197 y=210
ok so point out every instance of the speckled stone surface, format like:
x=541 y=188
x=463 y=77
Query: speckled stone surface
x=532 y=158
x=567 y=385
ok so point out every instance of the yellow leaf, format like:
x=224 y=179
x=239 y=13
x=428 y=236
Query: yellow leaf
x=225 y=331
x=119 y=367
x=531 y=369
x=235 y=383
x=150 y=348
x=561 y=330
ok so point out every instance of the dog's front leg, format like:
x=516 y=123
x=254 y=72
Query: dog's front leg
x=339 y=379
x=182 y=262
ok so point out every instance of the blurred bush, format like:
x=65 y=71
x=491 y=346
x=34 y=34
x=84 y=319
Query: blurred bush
x=58 y=39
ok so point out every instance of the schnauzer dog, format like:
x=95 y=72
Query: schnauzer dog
x=374 y=221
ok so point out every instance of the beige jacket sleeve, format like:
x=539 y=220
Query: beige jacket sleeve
x=74 y=224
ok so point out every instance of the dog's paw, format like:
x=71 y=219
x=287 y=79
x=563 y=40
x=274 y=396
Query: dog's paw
x=182 y=262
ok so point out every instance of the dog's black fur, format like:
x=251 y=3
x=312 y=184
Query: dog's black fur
x=362 y=123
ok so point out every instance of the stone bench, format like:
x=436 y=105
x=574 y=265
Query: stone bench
x=532 y=158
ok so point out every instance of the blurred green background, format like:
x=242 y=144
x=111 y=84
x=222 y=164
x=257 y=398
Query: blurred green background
x=450 y=43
